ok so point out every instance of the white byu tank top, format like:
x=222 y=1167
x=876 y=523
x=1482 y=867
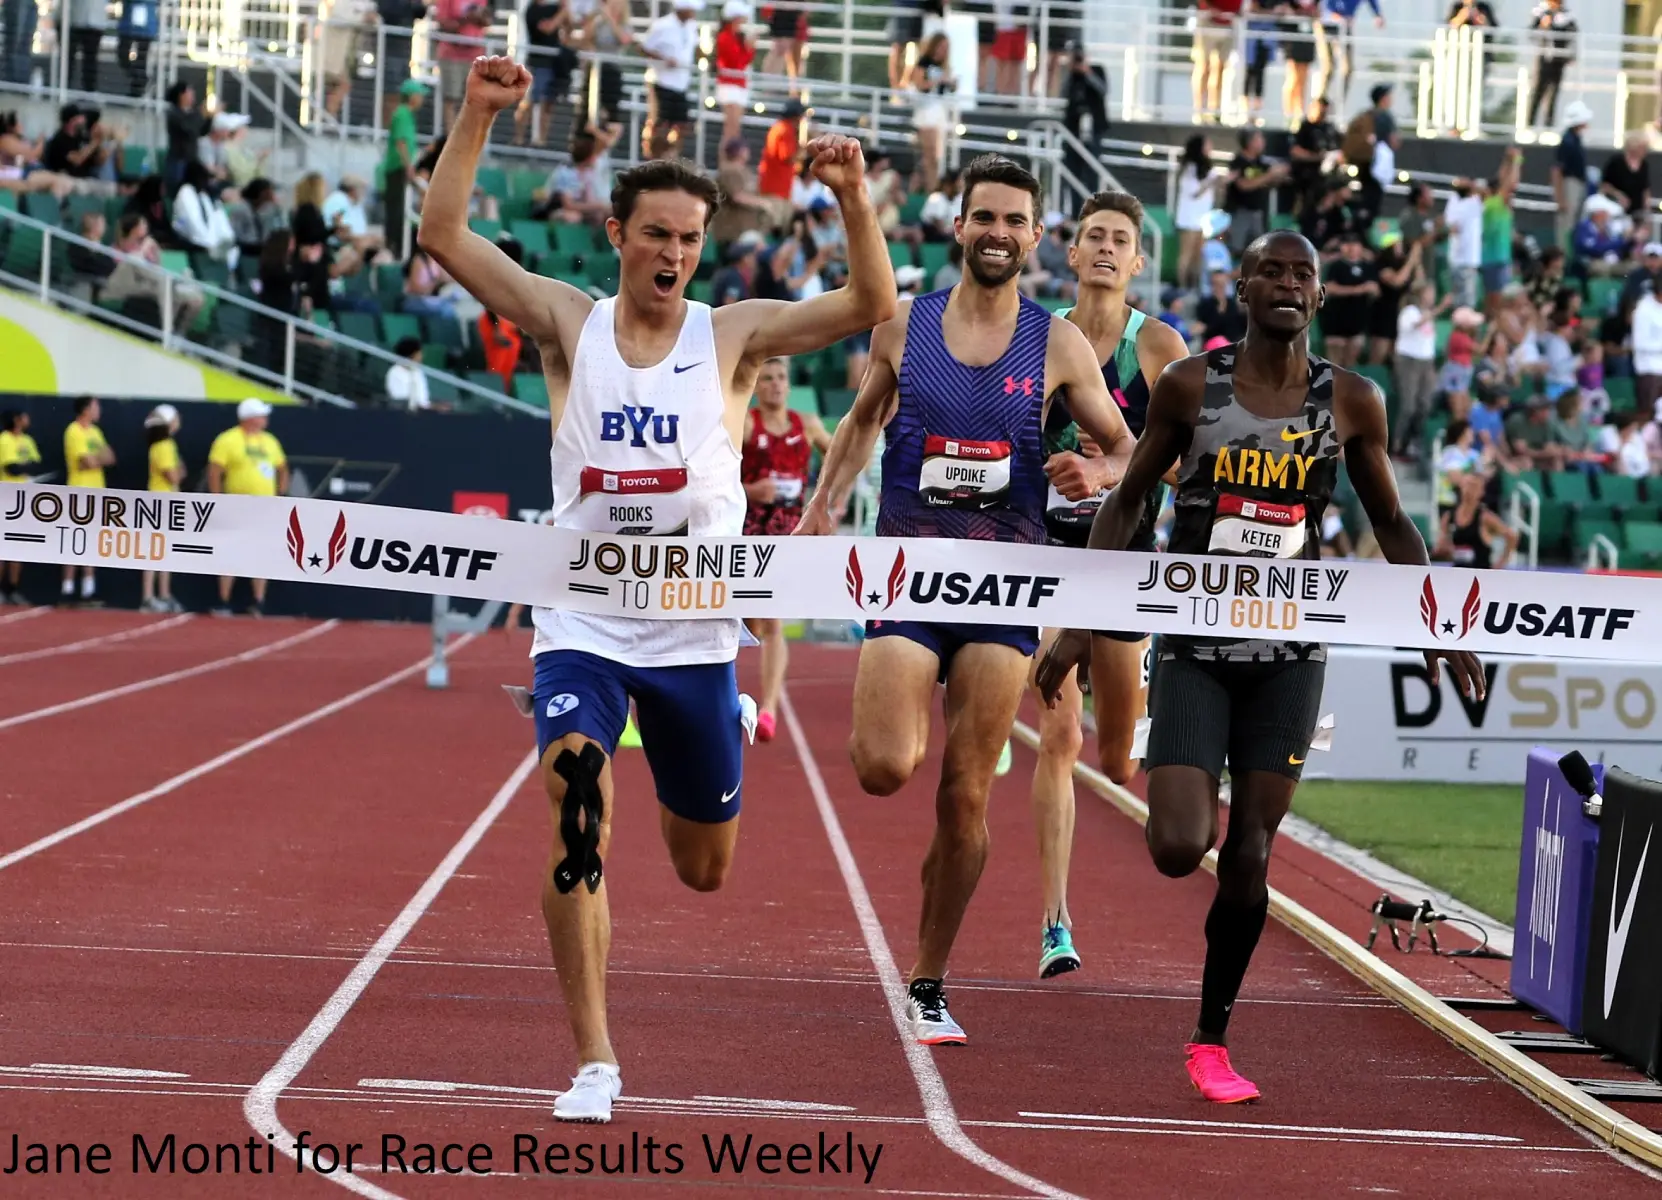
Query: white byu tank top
x=642 y=450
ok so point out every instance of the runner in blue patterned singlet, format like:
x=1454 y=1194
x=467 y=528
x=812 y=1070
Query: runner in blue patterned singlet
x=1106 y=255
x=959 y=384
x=1256 y=429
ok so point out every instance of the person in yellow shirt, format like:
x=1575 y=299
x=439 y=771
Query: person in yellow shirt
x=246 y=460
x=19 y=462
x=167 y=472
x=85 y=455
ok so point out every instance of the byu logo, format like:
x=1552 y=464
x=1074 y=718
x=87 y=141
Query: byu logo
x=559 y=706
x=632 y=423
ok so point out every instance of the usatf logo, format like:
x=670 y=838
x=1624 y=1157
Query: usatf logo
x=875 y=599
x=297 y=544
x=1468 y=611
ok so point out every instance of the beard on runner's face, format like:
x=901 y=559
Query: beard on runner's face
x=994 y=260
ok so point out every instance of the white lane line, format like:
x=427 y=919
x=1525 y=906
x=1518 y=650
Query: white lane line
x=107 y=639
x=142 y=685
x=218 y=761
x=937 y=1103
x=260 y=1105
x=25 y=614
x=1254 y=1126
x=445 y=1085
x=90 y=1071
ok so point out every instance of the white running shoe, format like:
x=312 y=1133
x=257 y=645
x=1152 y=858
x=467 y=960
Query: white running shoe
x=590 y=1099
x=932 y=1024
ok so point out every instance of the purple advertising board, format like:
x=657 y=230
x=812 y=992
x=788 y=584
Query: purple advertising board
x=1556 y=866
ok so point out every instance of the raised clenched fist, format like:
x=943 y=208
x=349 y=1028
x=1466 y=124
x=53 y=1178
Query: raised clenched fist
x=496 y=82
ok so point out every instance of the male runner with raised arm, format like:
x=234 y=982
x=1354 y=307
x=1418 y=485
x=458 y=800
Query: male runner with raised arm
x=960 y=383
x=1256 y=429
x=647 y=398
x=1106 y=255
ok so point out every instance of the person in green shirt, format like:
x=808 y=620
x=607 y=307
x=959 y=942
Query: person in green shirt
x=1497 y=227
x=395 y=167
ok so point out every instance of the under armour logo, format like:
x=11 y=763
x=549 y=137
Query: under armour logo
x=1011 y=383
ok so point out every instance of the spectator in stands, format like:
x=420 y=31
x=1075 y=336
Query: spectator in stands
x=1569 y=171
x=1626 y=178
x=1572 y=430
x=932 y=79
x=279 y=289
x=1396 y=266
x=1455 y=379
x=1496 y=242
x=734 y=54
x=951 y=272
x=1352 y=287
x=1600 y=250
x=306 y=220
x=185 y=125
x=1198 y=184
x=406 y=382
x=606 y=30
x=1247 y=191
x=1085 y=94
x=1048 y=271
x=1554 y=31
x=142 y=279
x=940 y=208
x=461 y=33
x=788 y=30
x=247 y=460
x=547 y=30
x=424 y=285
x=1469 y=528
x=1219 y=312
x=341 y=25
x=1549 y=278
x=1009 y=53
x=1644 y=277
x=776 y=173
x=86 y=454
x=904 y=28
x=1214 y=38
x=87 y=21
x=1331 y=219
x=1171 y=313
x=734 y=281
x=581 y=190
x=95 y=265
x=347 y=218
x=200 y=219
x=256 y=215
x=19 y=463
x=1479 y=16
x=214 y=150
x=1313 y=143
x=1647 y=348
x=397 y=19
x=1629 y=456
x=138 y=26
x=1463 y=215
x=167 y=474
x=1461 y=457
x=397 y=165
x=1414 y=364
x=671 y=42
x=72 y=150
x=1529 y=434
x=825 y=222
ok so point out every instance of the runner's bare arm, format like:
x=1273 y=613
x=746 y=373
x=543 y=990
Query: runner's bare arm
x=1158 y=346
x=856 y=436
x=763 y=329
x=1173 y=408
x=818 y=436
x=1360 y=425
x=532 y=302
x=1071 y=364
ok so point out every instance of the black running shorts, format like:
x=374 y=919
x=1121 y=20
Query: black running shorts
x=1262 y=715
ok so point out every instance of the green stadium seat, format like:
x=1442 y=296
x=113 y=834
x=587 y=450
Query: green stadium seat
x=1620 y=491
x=1555 y=530
x=494 y=181
x=900 y=255
x=490 y=381
x=359 y=326
x=1602 y=295
x=524 y=185
x=135 y=161
x=1381 y=375
x=389 y=285
x=395 y=327
x=932 y=256
x=1570 y=487
x=573 y=239
x=323 y=318
x=531 y=388
x=912 y=210
x=1510 y=480
x=1641 y=544
x=533 y=235
x=1622 y=392
x=834 y=404
x=1583 y=530
x=804 y=400
x=489 y=230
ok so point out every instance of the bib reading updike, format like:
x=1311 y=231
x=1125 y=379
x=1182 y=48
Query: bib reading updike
x=964 y=474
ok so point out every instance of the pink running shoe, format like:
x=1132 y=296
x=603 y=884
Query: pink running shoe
x=764 y=727
x=1214 y=1078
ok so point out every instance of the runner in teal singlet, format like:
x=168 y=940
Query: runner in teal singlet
x=1106 y=255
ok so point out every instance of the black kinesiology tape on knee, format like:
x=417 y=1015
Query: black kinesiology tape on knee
x=582 y=800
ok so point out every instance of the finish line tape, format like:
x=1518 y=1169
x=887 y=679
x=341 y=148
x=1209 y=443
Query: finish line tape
x=1367 y=603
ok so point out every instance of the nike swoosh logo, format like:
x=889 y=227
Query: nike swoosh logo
x=1287 y=435
x=1621 y=926
x=689 y=366
x=1296 y=762
x=727 y=798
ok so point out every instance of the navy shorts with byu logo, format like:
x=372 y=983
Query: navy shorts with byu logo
x=688 y=718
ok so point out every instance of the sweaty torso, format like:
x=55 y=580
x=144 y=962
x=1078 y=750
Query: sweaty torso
x=1253 y=487
x=964 y=452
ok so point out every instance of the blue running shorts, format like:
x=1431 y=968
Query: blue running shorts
x=947 y=640
x=688 y=718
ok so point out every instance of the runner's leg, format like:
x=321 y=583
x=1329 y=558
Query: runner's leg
x=770 y=631
x=894 y=688
x=1060 y=740
x=1119 y=699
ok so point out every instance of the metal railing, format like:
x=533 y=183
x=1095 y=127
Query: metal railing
x=1524 y=515
x=1602 y=554
x=301 y=358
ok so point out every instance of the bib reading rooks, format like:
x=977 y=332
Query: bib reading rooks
x=963 y=474
x=639 y=503
x=1257 y=528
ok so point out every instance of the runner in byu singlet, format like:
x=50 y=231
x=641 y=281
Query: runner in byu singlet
x=647 y=394
x=1256 y=429
x=1106 y=255
x=779 y=444
x=959 y=384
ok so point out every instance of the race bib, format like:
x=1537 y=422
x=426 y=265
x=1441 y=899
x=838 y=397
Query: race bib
x=960 y=474
x=642 y=503
x=1465 y=556
x=787 y=489
x=1257 y=528
x=1062 y=511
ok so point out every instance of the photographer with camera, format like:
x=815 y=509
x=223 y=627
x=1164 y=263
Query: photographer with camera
x=1085 y=92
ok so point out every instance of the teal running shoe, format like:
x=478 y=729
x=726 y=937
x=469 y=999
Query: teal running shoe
x=1006 y=760
x=1056 y=953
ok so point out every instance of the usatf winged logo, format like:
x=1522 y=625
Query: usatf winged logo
x=297 y=544
x=875 y=599
x=1468 y=611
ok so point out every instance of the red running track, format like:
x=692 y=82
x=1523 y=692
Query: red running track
x=197 y=938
